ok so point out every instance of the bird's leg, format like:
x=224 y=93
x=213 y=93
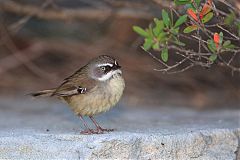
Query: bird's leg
x=87 y=130
x=99 y=128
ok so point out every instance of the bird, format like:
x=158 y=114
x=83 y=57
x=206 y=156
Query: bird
x=93 y=89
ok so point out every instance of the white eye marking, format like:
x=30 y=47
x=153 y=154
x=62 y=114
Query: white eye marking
x=103 y=68
x=109 y=75
x=105 y=64
x=81 y=90
x=115 y=62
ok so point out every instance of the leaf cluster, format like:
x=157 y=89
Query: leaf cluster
x=162 y=32
x=166 y=31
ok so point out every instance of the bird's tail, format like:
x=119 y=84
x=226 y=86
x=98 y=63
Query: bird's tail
x=44 y=93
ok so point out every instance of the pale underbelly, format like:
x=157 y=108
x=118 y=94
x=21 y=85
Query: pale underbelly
x=97 y=101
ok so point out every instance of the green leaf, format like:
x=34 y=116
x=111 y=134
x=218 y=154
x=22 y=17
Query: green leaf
x=180 y=21
x=148 y=43
x=165 y=17
x=158 y=27
x=213 y=57
x=229 y=19
x=198 y=2
x=150 y=29
x=177 y=42
x=231 y=46
x=156 y=46
x=191 y=5
x=149 y=32
x=207 y=17
x=140 y=31
x=189 y=29
x=162 y=37
x=182 y=2
x=221 y=38
x=175 y=31
x=164 y=54
x=226 y=43
x=238 y=26
x=211 y=46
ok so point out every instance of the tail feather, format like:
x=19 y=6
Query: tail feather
x=44 y=93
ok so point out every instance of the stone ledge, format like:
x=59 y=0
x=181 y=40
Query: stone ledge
x=48 y=130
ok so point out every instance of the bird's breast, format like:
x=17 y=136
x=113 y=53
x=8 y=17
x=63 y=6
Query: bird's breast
x=100 y=99
x=115 y=89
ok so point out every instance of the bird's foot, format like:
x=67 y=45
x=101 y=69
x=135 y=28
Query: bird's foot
x=104 y=129
x=88 y=132
x=96 y=131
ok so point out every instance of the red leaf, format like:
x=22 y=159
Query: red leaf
x=192 y=14
x=216 y=39
x=210 y=2
x=205 y=10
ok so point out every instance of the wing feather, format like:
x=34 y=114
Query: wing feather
x=78 y=83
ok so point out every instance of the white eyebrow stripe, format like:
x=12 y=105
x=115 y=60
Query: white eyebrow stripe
x=105 y=64
x=109 y=75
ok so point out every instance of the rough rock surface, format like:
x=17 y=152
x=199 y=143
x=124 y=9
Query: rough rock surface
x=42 y=129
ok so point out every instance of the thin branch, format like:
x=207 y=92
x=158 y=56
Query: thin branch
x=15 y=27
x=233 y=35
x=164 y=3
x=65 y=14
x=233 y=68
x=179 y=71
x=232 y=58
x=199 y=39
x=229 y=5
x=154 y=57
x=21 y=57
x=11 y=62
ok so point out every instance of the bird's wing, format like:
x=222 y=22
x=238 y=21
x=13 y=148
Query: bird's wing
x=78 y=83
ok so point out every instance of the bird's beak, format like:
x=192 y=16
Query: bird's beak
x=115 y=67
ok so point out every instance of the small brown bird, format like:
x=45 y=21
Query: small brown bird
x=93 y=89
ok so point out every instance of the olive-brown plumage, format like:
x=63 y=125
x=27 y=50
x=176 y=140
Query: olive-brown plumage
x=93 y=89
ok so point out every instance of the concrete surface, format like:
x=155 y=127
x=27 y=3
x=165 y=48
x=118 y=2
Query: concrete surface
x=43 y=129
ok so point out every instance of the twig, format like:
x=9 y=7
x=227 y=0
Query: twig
x=163 y=3
x=179 y=71
x=229 y=5
x=233 y=68
x=15 y=27
x=11 y=62
x=154 y=57
x=233 y=35
x=196 y=37
x=230 y=61
x=22 y=58
x=65 y=14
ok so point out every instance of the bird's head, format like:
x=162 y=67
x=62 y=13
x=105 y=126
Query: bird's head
x=104 y=68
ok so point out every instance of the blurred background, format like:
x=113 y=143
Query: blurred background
x=42 y=42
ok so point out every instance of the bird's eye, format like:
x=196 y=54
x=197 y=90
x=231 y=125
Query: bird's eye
x=103 y=68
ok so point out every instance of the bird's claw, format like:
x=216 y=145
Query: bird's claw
x=96 y=131
x=100 y=129
x=88 y=132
